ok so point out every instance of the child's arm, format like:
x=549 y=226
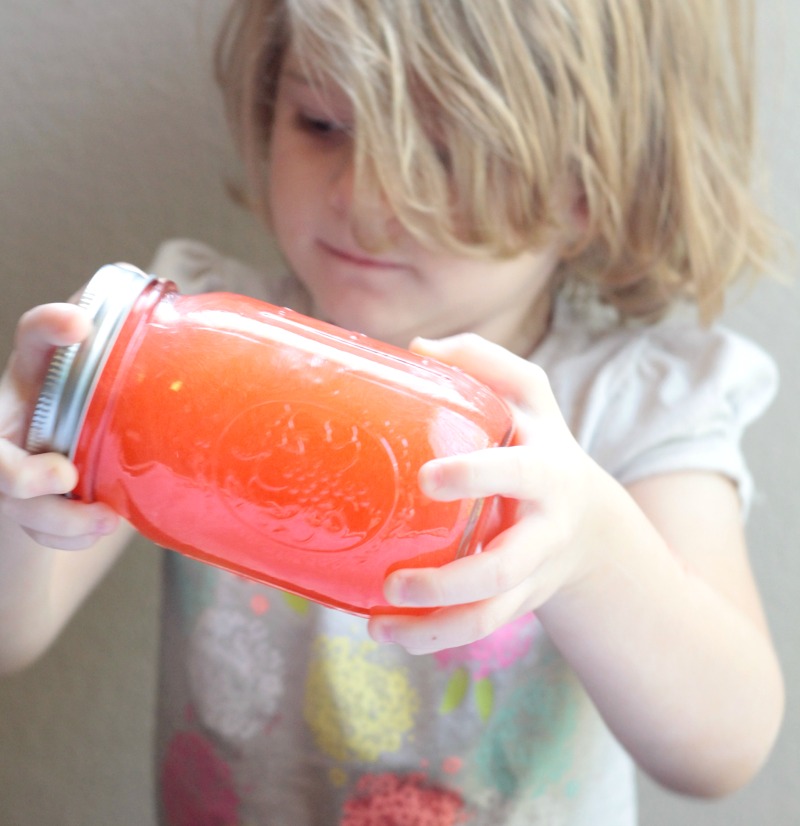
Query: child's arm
x=647 y=592
x=44 y=573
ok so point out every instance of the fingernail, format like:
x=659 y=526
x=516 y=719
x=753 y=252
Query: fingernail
x=425 y=344
x=47 y=483
x=104 y=526
x=430 y=477
x=380 y=631
x=402 y=590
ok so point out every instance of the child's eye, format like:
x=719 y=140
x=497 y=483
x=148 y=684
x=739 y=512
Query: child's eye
x=319 y=126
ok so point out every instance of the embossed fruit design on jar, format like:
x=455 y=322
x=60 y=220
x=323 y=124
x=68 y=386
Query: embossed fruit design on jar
x=270 y=444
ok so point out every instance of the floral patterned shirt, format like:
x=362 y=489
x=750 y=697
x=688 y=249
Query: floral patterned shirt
x=274 y=710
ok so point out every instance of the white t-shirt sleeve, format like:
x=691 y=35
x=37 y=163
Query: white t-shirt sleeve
x=671 y=397
x=198 y=268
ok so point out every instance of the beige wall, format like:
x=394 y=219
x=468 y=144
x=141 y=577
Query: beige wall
x=111 y=139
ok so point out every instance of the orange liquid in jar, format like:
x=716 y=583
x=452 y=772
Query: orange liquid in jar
x=281 y=448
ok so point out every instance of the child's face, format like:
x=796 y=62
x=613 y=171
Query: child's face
x=406 y=289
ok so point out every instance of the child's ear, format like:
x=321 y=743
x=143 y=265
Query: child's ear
x=579 y=213
x=573 y=206
x=577 y=219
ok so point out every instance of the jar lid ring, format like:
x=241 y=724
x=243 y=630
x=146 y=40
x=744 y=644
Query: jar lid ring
x=74 y=368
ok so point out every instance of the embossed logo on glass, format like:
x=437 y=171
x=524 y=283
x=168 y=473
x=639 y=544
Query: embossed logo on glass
x=305 y=477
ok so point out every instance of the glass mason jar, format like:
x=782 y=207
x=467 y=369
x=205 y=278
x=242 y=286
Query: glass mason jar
x=267 y=443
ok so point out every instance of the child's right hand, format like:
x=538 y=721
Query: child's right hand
x=31 y=486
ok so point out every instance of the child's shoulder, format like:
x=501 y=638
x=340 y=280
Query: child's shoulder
x=673 y=356
x=647 y=398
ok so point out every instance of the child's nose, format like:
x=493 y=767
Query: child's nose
x=342 y=183
x=373 y=223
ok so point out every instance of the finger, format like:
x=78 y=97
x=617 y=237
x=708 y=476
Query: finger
x=514 y=472
x=517 y=556
x=23 y=476
x=448 y=627
x=63 y=543
x=41 y=329
x=57 y=516
x=516 y=379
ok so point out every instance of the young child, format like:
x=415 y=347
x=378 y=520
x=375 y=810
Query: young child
x=552 y=195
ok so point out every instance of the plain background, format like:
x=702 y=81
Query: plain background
x=112 y=139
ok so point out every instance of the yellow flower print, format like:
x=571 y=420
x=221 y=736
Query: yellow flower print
x=357 y=707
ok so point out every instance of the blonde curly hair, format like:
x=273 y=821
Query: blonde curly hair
x=470 y=116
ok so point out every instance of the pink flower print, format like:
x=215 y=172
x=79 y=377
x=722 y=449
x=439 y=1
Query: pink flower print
x=402 y=800
x=495 y=652
x=196 y=784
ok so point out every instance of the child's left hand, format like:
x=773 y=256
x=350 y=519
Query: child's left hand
x=620 y=579
x=557 y=522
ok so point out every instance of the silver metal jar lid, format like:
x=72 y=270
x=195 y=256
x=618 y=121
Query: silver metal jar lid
x=74 y=369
